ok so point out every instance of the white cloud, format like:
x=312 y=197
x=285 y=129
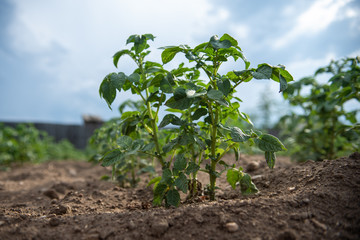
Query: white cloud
x=316 y=18
x=73 y=41
x=240 y=31
x=308 y=66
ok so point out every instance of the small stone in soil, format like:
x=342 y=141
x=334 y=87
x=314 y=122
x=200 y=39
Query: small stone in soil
x=54 y=222
x=60 y=210
x=232 y=226
x=50 y=193
x=159 y=227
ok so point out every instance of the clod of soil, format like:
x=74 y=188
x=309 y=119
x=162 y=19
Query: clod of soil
x=66 y=200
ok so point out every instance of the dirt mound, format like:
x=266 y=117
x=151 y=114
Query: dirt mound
x=66 y=200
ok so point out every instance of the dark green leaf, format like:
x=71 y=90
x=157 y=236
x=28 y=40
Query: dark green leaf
x=182 y=183
x=124 y=142
x=170 y=119
x=107 y=91
x=237 y=135
x=215 y=94
x=269 y=143
x=173 y=197
x=192 y=168
x=112 y=158
x=199 y=113
x=159 y=193
x=283 y=83
x=166 y=176
x=264 y=71
x=217 y=44
x=170 y=146
x=180 y=162
x=119 y=54
x=224 y=86
x=270 y=159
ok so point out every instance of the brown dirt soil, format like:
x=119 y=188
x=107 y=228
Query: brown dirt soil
x=66 y=200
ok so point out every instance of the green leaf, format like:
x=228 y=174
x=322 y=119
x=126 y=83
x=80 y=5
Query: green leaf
x=159 y=193
x=283 y=83
x=166 y=176
x=173 y=197
x=166 y=83
x=232 y=177
x=170 y=119
x=179 y=100
x=182 y=183
x=247 y=186
x=169 y=53
x=107 y=91
x=269 y=143
x=154 y=180
x=170 y=145
x=224 y=86
x=264 y=71
x=190 y=93
x=199 y=113
x=270 y=158
x=215 y=94
x=180 y=162
x=124 y=142
x=112 y=158
x=237 y=135
x=134 y=78
x=217 y=44
x=119 y=54
x=230 y=39
x=192 y=168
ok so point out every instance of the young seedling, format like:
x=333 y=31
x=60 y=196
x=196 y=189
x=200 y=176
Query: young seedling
x=214 y=101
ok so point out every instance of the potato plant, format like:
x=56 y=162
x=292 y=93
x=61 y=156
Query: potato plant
x=324 y=129
x=199 y=110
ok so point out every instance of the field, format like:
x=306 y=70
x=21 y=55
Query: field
x=67 y=200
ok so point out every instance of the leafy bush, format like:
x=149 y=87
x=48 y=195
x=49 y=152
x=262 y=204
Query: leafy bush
x=200 y=110
x=324 y=129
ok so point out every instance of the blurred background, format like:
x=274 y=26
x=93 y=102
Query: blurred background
x=54 y=54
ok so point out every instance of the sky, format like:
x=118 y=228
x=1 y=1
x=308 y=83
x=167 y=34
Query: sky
x=55 y=53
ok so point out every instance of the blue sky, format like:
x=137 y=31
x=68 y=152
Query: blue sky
x=54 y=54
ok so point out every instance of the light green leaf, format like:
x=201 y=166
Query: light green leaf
x=232 y=177
x=169 y=53
x=247 y=186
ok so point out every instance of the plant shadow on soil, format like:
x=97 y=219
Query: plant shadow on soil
x=66 y=200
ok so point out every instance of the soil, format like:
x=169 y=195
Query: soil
x=67 y=200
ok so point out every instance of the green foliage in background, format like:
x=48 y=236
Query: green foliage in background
x=115 y=148
x=25 y=143
x=200 y=110
x=324 y=129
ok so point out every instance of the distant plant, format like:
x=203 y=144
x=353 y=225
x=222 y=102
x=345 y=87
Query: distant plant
x=25 y=143
x=115 y=148
x=324 y=129
x=199 y=110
